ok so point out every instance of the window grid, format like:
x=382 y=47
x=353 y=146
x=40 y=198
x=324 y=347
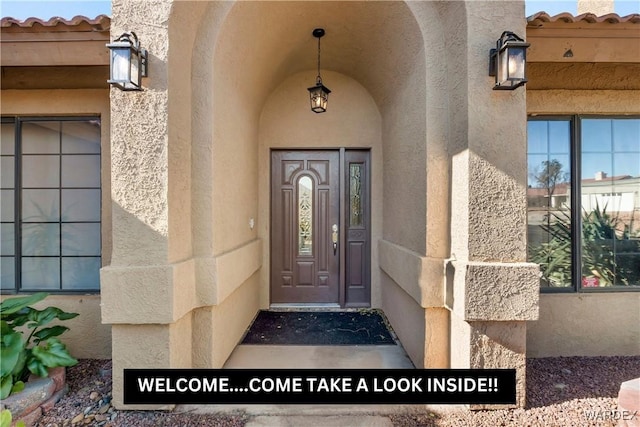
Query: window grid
x=19 y=221
x=14 y=254
x=576 y=161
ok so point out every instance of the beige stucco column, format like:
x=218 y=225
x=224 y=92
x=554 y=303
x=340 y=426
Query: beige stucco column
x=491 y=291
x=175 y=296
x=147 y=291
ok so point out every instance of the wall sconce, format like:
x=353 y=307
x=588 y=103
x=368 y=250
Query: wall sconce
x=508 y=62
x=319 y=93
x=128 y=62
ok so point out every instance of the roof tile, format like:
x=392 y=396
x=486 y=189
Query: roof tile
x=77 y=23
x=613 y=18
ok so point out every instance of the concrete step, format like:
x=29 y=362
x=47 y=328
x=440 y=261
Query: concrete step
x=324 y=421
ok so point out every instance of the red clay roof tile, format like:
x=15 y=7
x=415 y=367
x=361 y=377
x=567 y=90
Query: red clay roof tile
x=613 y=18
x=77 y=23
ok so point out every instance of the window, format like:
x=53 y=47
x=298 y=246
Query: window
x=584 y=233
x=51 y=204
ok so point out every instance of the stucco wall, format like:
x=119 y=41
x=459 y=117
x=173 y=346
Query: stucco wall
x=596 y=324
x=541 y=102
x=87 y=337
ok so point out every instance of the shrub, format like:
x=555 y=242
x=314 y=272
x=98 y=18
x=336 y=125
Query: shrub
x=609 y=251
x=19 y=356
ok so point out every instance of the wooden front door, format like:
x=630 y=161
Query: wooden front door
x=320 y=254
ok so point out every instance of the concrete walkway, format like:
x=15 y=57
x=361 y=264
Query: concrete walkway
x=310 y=357
x=319 y=357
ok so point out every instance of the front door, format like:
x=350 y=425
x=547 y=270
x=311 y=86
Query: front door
x=320 y=254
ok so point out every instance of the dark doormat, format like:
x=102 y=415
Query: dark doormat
x=365 y=327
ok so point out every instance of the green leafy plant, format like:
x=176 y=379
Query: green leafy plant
x=5 y=419
x=609 y=252
x=19 y=355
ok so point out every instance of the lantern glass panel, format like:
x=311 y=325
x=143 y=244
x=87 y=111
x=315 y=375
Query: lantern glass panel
x=120 y=64
x=135 y=70
x=516 y=63
x=319 y=98
x=503 y=67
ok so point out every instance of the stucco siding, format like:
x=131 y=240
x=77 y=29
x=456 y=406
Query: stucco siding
x=597 y=324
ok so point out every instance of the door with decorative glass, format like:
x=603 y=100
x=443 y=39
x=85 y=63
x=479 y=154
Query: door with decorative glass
x=320 y=254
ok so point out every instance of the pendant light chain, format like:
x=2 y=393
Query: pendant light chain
x=319 y=79
x=319 y=94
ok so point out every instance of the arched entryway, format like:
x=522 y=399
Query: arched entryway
x=250 y=77
x=190 y=179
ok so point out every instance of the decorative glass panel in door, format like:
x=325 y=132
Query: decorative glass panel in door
x=305 y=216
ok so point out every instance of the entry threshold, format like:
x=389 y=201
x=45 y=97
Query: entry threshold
x=303 y=306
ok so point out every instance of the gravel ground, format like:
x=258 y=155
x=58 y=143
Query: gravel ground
x=88 y=404
x=560 y=392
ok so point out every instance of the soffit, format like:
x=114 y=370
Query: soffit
x=565 y=38
x=79 y=41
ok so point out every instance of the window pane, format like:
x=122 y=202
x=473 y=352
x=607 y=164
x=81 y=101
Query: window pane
x=559 y=136
x=626 y=164
x=40 y=273
x=305 y=216
x=7 y=273
x=611 y=209
x=7 y=245
x=60 y=197
x=596 y=135
x=40 y=171
x=597 y=167
x=80 y=205
x=548 y=205
x=81 y=171
x=7 y=171
x=537 y=137
x=40 y=137
x=41 y=205
x=81 y=239
x=6 y=205
x=625 y=135
x=81 y=137
x=7 y=138
x=80 y=273
x=40 y=239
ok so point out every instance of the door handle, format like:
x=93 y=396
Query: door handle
x=334 y=237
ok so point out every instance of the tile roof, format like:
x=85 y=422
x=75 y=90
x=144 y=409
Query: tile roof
x=613 y=18
x=77 y=23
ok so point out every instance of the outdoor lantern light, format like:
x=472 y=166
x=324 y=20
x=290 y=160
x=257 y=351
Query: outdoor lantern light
x=128 y=62
x=508 y=62
x=319 y=93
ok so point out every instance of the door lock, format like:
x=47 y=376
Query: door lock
x=334 y=237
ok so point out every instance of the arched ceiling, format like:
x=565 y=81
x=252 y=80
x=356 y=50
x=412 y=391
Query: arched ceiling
x=262 y=42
